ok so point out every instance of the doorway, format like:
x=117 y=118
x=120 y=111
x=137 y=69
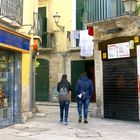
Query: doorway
x=7 y=95
x=76 y=68
x=42 y=80
x=120 y=89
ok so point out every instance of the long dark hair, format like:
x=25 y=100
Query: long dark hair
x=64 y=77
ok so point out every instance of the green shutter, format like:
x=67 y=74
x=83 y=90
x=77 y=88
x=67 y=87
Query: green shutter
x=42 y=80
x=98 y=10
x=43 y=24
x=79 y=14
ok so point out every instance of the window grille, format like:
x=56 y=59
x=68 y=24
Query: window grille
x=97 y=10
x=12 y=9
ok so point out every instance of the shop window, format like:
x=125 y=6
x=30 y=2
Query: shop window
x=6 y=80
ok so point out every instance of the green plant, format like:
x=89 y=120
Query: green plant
x=137 y=11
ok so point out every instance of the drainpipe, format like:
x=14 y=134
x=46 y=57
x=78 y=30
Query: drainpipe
x=31 y=76
x=32 y=57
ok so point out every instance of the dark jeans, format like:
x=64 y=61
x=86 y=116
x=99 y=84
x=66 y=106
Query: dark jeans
x=83 y=104
x=64 y=107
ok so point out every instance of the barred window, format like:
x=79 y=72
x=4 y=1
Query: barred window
x=12 y=9
x=97 y=10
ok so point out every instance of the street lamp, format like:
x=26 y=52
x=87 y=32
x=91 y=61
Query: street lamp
x=56 y=19
x=130 y=6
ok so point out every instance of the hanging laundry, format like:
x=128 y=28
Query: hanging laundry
x=75 y=35
x=90 y=30
x=86 y=44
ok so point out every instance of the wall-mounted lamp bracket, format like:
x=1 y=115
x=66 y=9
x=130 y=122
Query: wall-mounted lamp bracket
x=56 y=19
x=62 y=28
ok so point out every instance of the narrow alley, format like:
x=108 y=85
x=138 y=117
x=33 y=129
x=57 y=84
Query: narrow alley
x=48 y=128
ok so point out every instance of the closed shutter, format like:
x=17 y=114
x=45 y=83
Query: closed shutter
x=42 y=80
x=79 y=14
x=120 y=89
x=43 y=25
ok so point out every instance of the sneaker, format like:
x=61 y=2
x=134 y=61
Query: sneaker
x=61 y=122
x=80 y=119
x=85 y=121
x=66 y=123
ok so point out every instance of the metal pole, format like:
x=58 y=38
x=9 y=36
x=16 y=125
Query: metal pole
x=31 y=77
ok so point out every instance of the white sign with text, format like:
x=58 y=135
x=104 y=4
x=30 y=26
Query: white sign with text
x=120 y=50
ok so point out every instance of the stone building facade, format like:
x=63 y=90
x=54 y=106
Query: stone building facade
x=63 y=56
x=106 y=33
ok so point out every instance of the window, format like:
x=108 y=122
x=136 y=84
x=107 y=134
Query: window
x=79 y=14
x=43 y=25
x=12 y=9
x=6 y=79
x=98 y=10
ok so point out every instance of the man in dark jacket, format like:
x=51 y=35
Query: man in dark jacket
x=84 y=91
x=64 y=90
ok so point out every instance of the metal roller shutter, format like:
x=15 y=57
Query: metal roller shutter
x=120 y=89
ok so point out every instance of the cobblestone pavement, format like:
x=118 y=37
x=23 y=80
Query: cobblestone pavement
x=48 y=128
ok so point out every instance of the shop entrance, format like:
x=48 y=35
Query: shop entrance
x=120 y=89
x=6 y=88
x=76 y=68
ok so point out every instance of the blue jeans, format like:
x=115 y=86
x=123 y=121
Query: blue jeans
x=83 y=104
x=64 y=107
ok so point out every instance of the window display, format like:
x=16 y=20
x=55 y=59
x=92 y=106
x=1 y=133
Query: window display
x=6 y=80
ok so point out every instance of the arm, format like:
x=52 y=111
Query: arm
x=76 y=88
x=58 y=87
x=69 y=92
x=70 y=96
x=92 y=88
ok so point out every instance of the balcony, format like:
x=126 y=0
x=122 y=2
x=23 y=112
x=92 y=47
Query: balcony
x=12 y=9
x=76 y=39
x=99 y=10
x=48 y=42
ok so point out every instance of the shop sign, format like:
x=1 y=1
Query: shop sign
x=120 y=50
x=14 y=40
x=136 y=39
x=131 y=43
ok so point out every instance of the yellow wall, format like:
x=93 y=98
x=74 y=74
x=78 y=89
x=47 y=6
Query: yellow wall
x=25 y=69
x=65 y=11
x=25 y=82
x=28 y=8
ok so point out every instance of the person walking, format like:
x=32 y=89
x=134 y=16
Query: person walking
x=84 y=91
x=64 y=92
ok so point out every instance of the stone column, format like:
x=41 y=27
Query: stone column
x=98 y=81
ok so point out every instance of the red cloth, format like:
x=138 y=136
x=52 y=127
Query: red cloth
x=90 y=30
x=35 y=47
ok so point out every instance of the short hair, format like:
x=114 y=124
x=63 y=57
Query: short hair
x=84 y=74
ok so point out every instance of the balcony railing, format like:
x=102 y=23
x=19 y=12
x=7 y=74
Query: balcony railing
x=98 y=10
x=13 y=9
x=48 y=41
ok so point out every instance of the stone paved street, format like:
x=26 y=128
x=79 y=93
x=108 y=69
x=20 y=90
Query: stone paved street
x=48 y=128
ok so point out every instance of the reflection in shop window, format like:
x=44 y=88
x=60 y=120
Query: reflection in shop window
x=6 y=79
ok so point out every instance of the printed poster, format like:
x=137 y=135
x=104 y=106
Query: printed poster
x=120 y=50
